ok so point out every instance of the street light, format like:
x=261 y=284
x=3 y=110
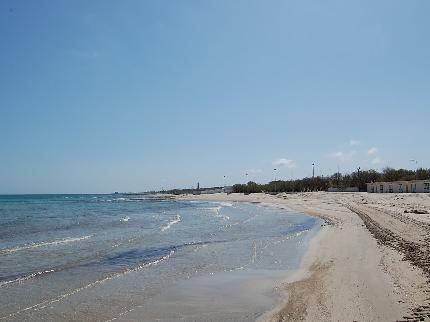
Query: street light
x=416 y=167
x=358 y=173
x=274 y=176
x=313 y=176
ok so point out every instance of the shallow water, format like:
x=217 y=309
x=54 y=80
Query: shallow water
x=104 y=257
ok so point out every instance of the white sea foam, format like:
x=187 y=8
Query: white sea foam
x=289 y=237
x=25 y=278
x=175 y=220
x=42 y=244
x=48 y=303
x=217 y=213
x=217 y=210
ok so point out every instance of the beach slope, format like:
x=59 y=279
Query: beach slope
x=370 y=262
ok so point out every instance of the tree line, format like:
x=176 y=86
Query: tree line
x=337 y=180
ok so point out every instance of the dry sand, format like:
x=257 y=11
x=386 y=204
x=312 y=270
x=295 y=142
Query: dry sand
x=370 y=262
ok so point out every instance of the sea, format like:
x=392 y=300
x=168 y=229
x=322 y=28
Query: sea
x=130 y=257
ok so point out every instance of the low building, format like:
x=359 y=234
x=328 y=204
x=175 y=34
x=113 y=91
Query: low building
x=210 y=191
x=346 y=189
x=413 y=186
x=228 y=189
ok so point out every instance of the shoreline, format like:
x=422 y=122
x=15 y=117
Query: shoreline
x=349 y=272
x=289 y=308
x=203 y=261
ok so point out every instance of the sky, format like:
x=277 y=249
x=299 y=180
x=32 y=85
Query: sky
x=103 y=96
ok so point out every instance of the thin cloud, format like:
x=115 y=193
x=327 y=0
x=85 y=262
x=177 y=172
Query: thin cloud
x=284 y=163
x=354 y=142
x=372 y=151
x=378 y=161
x=338 y=155
x=343 y=156
x=253 y=171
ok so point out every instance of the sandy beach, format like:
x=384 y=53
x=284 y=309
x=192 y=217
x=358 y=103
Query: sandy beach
x=370 y=261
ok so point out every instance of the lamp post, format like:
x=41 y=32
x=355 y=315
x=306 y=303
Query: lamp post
x=416 y=167
x=274 y=177
x=358 y=173
x=313 y=176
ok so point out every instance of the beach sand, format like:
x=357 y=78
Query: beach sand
x=370 y=262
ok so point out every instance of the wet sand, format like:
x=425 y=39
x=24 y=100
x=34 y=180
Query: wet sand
x=370 y=262
x=223 y=296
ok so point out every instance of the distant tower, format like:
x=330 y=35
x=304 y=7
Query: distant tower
x=198 y=186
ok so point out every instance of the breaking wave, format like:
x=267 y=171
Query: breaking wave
x=25 y=278
x=49 y=302
x=175 y=220
x=43 y=243
x=216 y=212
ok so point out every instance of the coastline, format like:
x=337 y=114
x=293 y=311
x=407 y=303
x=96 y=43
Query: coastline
x=147 y=261
x=349 y=272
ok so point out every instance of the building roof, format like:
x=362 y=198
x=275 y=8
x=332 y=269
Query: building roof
x=399 y=181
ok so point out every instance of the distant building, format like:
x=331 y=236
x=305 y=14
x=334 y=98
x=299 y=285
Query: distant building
x=208 y=191
x=197 y=192
x=347 y=189
x=413 y=186
x=228 y=189
x=211 y=191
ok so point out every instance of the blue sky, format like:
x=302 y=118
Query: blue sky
x=99 y=96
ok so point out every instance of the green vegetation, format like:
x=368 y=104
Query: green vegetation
x=189 y=191
x=337 y=180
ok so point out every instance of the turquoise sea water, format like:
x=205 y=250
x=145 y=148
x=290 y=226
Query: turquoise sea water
x=97 y=257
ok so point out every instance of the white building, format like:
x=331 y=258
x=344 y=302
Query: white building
x=228 y=189
x=399 y=186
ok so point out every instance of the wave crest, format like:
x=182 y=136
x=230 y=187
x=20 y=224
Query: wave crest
x=175 y=220
x=43 y=243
